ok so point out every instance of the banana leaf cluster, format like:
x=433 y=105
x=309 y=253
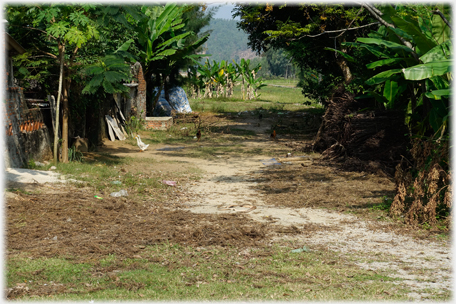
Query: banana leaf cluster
x=220 y=78
x=415 y=76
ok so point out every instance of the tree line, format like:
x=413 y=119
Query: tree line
x=226 y=42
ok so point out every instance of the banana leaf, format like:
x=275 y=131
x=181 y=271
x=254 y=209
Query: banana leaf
x=373 y=49
x=440 y=30
x=438 y=94
x=174 y=39
x=400 y=33
x=439 y=52
x=439 y=82
x=390 y=90
x=125 y=46
x=162 y=54
x=427 y=70
x=384 y=62
x=169 y=7
x=382 y=77
x=346 y=56
x=421 y=41
x=389 y=44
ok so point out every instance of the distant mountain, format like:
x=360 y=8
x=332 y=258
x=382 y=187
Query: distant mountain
x=226 y=42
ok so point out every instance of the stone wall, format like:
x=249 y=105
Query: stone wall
x=27 y=136
x=14 y=152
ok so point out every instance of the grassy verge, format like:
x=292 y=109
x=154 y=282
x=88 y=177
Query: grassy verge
x=175 y=272
x=106 y=174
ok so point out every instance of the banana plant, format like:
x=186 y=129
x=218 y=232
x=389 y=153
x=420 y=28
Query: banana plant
x=257 y=84
x=155 y=23
x=163 y=42
x=208 y=71
x=196 y=84
x=249 y=78
x=243 y=70
x=413 y=78
x=206 y=76
x=220 y=78
x=231 y=75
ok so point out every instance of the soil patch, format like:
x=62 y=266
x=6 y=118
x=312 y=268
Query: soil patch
x=83 y=227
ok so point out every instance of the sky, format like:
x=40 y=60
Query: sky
x=224 y=11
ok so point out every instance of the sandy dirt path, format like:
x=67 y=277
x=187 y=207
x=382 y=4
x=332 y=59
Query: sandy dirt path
x=230 y=184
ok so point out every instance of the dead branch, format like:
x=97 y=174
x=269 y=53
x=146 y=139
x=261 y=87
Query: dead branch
x=49 y=54
x=336 y=31
x=373 y=11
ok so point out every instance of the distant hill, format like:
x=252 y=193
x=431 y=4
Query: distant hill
x=226 y=42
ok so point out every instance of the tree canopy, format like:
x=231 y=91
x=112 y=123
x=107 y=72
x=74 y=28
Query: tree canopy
x=304 y=31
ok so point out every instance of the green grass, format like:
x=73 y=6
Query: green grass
x=175 y=272
x=385 y=205
x=283 y=82
x=101 y=173
x=271 y=99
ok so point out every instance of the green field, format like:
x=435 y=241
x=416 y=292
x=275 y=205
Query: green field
x=283 y=82
x=271 y=97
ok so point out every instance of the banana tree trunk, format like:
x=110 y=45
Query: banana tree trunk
x=243 y=89
x=227 y=83
x=228 y=88
x=209 y=90
x=252 y=86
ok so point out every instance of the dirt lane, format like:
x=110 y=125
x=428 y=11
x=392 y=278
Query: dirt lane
x=233 y=185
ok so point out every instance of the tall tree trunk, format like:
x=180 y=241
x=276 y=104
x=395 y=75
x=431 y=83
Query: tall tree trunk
x=342 y=63
x=65 y=110
x=59 y=94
